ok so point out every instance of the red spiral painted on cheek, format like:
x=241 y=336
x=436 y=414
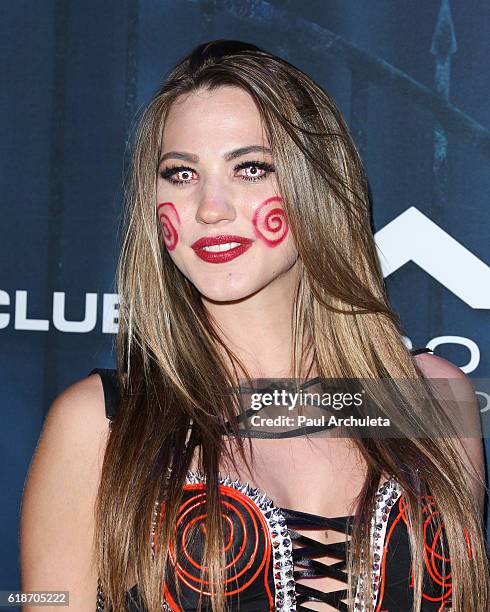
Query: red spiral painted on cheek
x=170 y=235
x=270 y=222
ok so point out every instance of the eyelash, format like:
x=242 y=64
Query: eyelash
x=167 y=173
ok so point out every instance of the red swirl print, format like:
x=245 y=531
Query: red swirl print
x=437 y=584
x=270 y=222
x=247 y=547
x=170 y=234
x=437 y=561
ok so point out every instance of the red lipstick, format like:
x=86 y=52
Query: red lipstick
x=238 y=245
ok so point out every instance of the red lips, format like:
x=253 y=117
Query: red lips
x=223 y=256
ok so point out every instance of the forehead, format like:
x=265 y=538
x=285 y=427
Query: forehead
x=205 y=118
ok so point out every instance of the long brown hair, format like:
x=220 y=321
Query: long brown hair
x=175 y=384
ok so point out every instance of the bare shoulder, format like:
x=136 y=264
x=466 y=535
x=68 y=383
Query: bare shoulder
x=461 y=388
x=56 y=522
x=80 y=403
x=437 y=367
x=76 y=422
x=458 y=384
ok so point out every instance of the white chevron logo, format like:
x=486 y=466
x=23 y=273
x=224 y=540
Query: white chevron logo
x=412 y=236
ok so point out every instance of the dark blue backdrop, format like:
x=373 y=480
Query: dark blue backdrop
x=411 y=78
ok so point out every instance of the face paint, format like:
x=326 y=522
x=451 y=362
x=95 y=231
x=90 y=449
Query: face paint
x=270 y=223
x=170 y=234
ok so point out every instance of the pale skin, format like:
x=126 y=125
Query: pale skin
x=251 y=299
x=256 y=288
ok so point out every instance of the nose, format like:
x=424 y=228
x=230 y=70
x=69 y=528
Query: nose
x=215 y=204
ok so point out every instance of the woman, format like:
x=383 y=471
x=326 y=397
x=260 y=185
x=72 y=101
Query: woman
x=248 y=253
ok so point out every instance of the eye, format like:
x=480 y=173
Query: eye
x=183 y=174
x=258 y=170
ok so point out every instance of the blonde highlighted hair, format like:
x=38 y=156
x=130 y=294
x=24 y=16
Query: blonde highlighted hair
x=175 y=381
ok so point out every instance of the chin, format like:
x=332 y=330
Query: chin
x=224 y=293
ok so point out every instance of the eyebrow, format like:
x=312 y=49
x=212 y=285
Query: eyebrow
x=227 y=156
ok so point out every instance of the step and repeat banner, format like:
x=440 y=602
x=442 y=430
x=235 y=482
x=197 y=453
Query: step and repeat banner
x=411 y=79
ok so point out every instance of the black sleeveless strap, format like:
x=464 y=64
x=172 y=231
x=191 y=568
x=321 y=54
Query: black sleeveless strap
x=111 y=390
x=421 y=350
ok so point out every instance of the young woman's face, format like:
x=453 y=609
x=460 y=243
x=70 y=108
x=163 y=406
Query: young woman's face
x=217 y=198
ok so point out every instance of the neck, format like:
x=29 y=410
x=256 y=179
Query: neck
x=258 y=328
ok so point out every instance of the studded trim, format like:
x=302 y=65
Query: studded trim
x=282 y=548
x=386 y=497
x=164 y=604
x=100 y=601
